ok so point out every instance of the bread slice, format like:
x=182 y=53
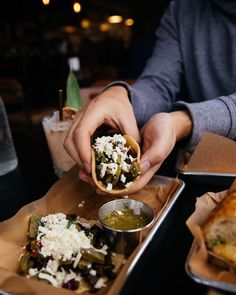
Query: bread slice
x=219 y=233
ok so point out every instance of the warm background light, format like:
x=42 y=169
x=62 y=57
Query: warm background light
x=129 y=22
x=85 y=23
x=77 y=7
x=104 y=27
x=46 y=2
x=69 y=29
x=115 y=19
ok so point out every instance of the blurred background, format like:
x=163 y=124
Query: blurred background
x=103 y=40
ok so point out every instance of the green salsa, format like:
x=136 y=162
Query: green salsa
x=126 y=219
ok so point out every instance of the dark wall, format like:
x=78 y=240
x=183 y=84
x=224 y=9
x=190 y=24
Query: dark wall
x=33 y=36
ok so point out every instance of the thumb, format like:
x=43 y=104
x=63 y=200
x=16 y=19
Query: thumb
x=154 y=153
x=151 y=157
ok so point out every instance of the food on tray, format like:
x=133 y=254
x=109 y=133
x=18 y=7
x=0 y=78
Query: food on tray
x=219 y=233
x=126 y=219
x=69 y=252
x=115 y=163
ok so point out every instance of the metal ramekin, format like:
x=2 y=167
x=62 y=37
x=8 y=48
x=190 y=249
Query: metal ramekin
x=125 y=241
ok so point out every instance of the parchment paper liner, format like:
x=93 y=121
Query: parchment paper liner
x=214 y=154
x=65 y=196
x=197 y=261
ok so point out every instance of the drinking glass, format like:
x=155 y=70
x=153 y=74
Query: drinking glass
x=8 y=157
x=55 y=132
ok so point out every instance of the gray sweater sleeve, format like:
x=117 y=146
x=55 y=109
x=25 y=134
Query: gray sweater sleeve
x=156 y=88
x=216 y=115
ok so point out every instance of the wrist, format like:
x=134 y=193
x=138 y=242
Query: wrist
x=183 y=124
x=117 y=92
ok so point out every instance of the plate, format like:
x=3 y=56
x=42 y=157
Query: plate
x=199 y=278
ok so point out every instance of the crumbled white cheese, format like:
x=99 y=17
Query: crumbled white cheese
x=89 y=265
x=60 y=276
x=122 y=178
x=100 y=283
x=93 y=272
x=85 y=223
x=112 y=168
x=122 y=152
x=132 y=159
x=71 y=275
x=129 y=184
x=103 y=168
x=52 y=266
x=103 y=250
x=114 y=149
x=114 y=156
x=33 y=271
x=109 y=186
x=108 y=149
x=61 y=243
x=125 y=167
x=77 y=259
x=49 y=278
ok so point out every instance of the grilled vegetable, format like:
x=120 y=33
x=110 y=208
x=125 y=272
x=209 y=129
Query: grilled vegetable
x=93 y=256
x=33 y=226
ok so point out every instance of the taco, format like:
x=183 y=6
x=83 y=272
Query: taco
x=69 y=252
x=115 y=163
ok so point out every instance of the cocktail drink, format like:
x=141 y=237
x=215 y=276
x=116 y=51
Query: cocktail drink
x=55 y=132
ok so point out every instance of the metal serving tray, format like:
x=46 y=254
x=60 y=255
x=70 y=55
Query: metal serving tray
x=202 y=177
x=71 y=181
x=197 y=277
x=159 y=180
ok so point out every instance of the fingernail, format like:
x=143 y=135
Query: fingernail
x=145 y=166
x=86 y=167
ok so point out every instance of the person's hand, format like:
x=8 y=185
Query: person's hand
x=112 y=107
x=159 y=135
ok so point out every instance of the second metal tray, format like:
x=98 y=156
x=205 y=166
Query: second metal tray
x=201 y=177
x=199 y=278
